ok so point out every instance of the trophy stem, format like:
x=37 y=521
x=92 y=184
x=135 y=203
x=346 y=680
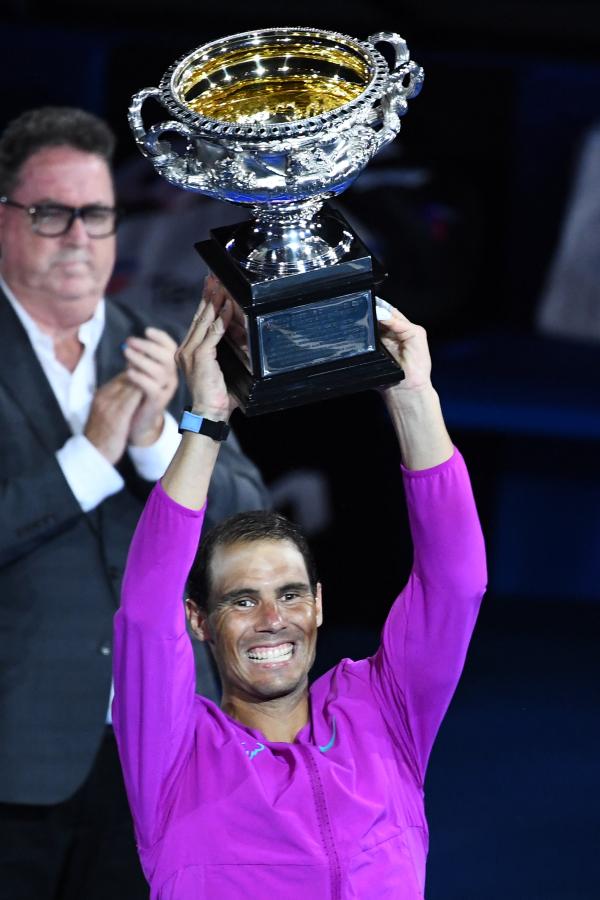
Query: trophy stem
x=290 y=238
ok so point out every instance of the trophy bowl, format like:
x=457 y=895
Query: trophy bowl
x=281 y=120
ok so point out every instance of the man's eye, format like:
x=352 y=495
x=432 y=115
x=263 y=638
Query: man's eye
x=244 y=602
x=291 y=595
x=98 y=214
x=50 y=213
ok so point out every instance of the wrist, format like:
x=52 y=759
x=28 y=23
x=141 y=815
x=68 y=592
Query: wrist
x=214 y=413
x=145 y=437
x=197 y=423
x=399 y=395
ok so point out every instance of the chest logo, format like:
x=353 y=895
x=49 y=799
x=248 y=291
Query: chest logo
x=331 y=741
x=255 y=750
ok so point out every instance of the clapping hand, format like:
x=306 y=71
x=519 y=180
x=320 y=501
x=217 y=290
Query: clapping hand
x=150 y=368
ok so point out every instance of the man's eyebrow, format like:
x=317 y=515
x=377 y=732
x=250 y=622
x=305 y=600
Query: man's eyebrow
x=300 y=586
x=238 y=593
x=47 y=201
x=231 y=596
x=50 y=201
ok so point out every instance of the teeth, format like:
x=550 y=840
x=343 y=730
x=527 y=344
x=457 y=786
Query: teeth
x=282 y=652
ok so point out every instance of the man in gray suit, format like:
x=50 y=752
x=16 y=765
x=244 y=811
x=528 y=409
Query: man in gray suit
x=85 y=430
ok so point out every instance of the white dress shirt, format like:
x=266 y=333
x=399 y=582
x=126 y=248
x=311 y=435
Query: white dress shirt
x=88 y=473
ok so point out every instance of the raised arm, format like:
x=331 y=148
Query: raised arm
x=413 y=404
x=153 y=710
x=428 y=630
x=187 y=478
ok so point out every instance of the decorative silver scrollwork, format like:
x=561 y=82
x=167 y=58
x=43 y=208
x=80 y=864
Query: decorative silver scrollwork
x=268 y=161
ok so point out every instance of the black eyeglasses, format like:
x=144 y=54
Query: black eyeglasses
x=53 y=219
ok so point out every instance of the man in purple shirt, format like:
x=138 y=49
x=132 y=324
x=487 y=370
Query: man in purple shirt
x=288 y=789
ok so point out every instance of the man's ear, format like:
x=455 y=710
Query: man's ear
x=319 y=604
x=198 y=620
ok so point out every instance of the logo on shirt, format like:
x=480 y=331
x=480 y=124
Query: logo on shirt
x=255 y=751
x=331 y=741
x=259 y=747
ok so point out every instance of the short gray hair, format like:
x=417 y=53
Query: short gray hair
x=51 y=126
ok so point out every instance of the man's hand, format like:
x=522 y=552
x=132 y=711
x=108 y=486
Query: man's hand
x=407 y=343
x=151 y=368
x=110 y=417
x=413 y=404
x=188 y=475
x=197 y=355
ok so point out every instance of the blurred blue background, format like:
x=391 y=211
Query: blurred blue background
x=486 y=213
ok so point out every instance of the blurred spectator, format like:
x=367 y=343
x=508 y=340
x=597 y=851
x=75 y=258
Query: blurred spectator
x=157 y=267
x=570 y=306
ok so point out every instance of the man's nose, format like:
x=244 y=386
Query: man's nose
x=77 y=233
x=269 y=616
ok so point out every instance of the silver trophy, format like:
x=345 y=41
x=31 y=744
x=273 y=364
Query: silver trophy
x=280 y=120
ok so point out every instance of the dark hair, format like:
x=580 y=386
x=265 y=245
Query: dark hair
x=51 y=126
x=245 y=527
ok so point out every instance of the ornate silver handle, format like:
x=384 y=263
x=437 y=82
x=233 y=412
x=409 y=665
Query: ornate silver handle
x=399 y=45
x=405 y=82
x=149 y=142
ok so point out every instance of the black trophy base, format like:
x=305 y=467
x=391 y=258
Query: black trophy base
x=302 y=337
x=265 y=395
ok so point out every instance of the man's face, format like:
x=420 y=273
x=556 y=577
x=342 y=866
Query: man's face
x=55 y=271
x=263 y=619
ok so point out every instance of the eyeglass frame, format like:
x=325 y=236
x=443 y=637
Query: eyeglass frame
x=75 y=212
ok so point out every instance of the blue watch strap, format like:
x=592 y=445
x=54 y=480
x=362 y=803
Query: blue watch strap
x=198 y=424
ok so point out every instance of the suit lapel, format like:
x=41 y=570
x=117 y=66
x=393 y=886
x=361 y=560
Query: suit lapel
x=24 y=379
x=109 y=355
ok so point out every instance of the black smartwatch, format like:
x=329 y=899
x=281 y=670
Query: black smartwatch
x=191 y=421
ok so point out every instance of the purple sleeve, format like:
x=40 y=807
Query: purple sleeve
x=427 y=633
x=153 y=659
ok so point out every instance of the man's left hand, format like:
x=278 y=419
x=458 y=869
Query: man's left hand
x=407 y=344
x=413 y=403
x=151 y=367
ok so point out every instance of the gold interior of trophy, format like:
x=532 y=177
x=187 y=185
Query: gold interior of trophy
x=274 y=82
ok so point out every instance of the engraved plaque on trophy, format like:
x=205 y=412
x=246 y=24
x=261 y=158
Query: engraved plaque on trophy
x=280 y=120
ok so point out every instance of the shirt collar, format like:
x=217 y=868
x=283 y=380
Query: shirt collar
x=89 y=332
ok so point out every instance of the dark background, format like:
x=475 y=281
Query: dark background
x=465 y=210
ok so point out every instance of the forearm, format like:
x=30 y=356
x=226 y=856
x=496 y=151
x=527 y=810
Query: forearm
x=427 y=633
x=419 y=425
x=188 y=475
x=154 y=725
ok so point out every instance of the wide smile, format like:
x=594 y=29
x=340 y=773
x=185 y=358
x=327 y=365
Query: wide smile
x=272 y=655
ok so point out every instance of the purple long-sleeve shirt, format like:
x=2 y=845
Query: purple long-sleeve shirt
x=220 y=811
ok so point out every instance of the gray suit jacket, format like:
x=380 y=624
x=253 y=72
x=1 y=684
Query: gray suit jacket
x=60 y=571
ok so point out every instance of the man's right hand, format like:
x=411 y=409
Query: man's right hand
x=109 y=421
x=197 y=355
x=188 y=475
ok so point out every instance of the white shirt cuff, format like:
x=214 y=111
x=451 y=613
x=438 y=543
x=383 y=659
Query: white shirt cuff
x=151 y=462
x=88 y=473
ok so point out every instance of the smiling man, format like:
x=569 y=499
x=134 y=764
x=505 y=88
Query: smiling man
x=253 y=595
x=286 y=789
